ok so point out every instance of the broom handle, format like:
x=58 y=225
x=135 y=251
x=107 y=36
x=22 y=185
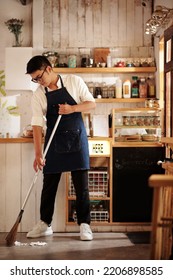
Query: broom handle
x=44 y=155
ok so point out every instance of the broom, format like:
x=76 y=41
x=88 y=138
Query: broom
x=11 y=236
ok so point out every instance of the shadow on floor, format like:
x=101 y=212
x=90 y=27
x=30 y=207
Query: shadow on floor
x=140 y=237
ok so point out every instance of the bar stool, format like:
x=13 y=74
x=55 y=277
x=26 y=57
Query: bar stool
x=162 y=216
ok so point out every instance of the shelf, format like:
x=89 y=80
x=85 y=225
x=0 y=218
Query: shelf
x=137 y=110
x=136 y=126
x=120 y=100
x=92 y=198
x=105 y=70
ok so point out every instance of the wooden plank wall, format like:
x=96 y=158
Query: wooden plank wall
x=106 y=23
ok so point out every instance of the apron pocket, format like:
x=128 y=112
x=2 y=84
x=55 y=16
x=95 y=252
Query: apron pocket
x=68 y=141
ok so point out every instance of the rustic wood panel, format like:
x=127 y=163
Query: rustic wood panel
x=97 y=26
x=147 y=13
x=72 y=24
x=130 y=37
x=89 y=26
x=64 y=31
x=48 y=24
x=113 y=19
x=138 y=25
x=122 y=20
x=81 y=24
x=105 y=23
x=55 y=24
x=105 y=30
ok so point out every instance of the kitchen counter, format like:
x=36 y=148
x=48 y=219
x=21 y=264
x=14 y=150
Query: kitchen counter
x=30 y=139
x=16 y=140
x=116 y=144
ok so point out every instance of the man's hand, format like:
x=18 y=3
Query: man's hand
x=65 y=109
x=39 y=163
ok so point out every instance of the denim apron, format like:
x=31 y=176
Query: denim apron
x=68 y=150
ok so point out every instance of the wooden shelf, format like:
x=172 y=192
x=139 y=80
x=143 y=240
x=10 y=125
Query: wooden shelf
x=105 y=70
x=120 y=100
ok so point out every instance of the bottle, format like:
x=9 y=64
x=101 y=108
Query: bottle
x=151 y=87
x=143 y=88
x=135 y=87
x=127 y=89
x=118 y=87
x=109 y=61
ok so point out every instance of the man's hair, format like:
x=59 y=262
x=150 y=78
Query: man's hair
x=37 y=62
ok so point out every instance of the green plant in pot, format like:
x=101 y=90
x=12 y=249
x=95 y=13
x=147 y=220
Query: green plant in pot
x=12 y=110
x=2 y=83
x=15 y=26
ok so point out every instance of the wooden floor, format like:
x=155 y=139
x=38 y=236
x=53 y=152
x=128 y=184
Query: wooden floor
x=67 y=246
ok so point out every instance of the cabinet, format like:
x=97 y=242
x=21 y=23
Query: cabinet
x=132 y=167
x=137 y=124
x=100 y=184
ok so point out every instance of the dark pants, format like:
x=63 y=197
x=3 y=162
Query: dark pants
x=50 y=186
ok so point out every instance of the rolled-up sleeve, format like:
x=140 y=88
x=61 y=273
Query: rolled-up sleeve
x=38 y=105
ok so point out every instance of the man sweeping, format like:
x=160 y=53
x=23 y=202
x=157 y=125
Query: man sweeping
x=67 y=96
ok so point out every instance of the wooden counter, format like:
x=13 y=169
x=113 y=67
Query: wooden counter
x=16 y=140
x=16 y=175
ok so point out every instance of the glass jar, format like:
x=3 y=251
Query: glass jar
x=52 y=57
x=72 y=61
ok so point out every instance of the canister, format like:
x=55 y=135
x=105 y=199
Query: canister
x=72 y=61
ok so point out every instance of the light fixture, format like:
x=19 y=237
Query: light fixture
x=159 y=18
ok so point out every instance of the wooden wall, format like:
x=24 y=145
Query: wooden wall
x=106 y=23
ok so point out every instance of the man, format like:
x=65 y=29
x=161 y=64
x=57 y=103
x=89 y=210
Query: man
x=68 y=96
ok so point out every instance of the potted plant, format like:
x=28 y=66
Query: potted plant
x=15 y=27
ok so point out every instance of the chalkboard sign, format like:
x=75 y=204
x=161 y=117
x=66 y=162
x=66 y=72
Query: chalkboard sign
x=132 y=197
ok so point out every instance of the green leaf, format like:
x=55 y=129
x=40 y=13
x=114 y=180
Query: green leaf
x=14 y=113
x=2 y=77
x=12 y=108
x=4 y=104
x=2 y=91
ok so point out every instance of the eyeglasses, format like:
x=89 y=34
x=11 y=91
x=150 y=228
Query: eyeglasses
x=38 y=79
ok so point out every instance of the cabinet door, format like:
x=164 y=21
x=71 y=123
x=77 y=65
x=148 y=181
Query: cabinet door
x=132 y=166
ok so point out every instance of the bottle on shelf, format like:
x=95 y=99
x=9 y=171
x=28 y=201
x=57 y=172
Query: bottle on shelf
x=109 y=61
x=118 y=88
x=127 y=89
x=135 y=87
x=151 y=87
x=143 y=88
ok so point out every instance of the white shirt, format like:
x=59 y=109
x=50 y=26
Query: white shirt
x=74 y=85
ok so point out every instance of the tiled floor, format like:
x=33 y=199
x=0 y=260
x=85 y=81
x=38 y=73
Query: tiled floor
x=67 y=246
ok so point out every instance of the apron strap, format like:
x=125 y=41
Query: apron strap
x=62 y=85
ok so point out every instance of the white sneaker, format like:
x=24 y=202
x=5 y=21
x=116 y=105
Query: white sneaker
x=85 y=232
x=40 y=229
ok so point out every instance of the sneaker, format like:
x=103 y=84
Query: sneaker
x=85 y=232
x=40 y=229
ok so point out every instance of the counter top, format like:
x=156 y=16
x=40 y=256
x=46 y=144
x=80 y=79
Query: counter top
x=16 y=140
x=30 y=139
x=117 y=144
x=138 y=144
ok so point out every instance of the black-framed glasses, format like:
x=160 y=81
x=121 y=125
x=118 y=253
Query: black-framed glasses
x=38 y=79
